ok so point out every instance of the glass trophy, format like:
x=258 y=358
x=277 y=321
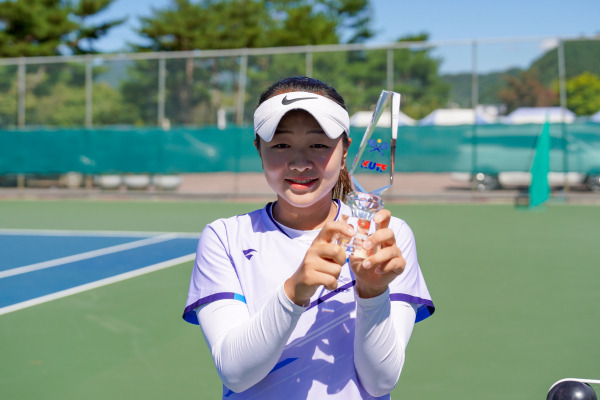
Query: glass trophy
x=372 y=171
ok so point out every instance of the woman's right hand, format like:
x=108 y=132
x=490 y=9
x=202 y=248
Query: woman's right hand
x=321 y=266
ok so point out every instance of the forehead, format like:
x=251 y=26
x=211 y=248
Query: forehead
x=298 y=121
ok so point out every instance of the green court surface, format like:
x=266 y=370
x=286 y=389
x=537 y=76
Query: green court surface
x=516 y=295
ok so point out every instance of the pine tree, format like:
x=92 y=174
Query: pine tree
x=50 y=27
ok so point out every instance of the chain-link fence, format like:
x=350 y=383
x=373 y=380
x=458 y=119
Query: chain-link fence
x=221 y=87
x=178 y=112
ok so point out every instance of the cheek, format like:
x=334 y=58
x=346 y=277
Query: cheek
x=333 y=165
x=272 y=165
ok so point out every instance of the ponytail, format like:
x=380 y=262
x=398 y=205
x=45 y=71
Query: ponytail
x=343 y=186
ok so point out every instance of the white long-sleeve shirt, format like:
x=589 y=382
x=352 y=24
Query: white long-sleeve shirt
x=245 y=349
x=266 y=347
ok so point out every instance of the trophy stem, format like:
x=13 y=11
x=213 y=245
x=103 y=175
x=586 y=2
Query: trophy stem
x=362 y=233
x=363 y=206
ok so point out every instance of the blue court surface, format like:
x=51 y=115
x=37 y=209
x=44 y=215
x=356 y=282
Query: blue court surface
x=39 y=266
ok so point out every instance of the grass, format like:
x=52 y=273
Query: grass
x=515 y=291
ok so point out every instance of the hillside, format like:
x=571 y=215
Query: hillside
x=489 y=86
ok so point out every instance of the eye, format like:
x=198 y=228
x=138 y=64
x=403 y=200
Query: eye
x=320 y=146
x=280 y=146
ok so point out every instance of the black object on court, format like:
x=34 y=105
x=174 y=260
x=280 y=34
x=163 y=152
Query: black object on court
x=572 y=390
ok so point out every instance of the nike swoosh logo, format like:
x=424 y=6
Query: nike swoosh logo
x=285 y=100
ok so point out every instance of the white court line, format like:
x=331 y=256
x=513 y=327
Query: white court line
x=86 y=255
x=57 y=232
x=96 y=284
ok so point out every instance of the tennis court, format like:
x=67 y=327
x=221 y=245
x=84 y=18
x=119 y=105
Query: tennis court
x=516 y=296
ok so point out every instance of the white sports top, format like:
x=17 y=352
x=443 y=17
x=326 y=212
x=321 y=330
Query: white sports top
x=324 y=350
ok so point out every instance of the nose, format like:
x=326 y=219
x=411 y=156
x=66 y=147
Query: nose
x=300 y=162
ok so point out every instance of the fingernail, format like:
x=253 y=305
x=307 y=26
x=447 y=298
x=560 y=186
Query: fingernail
x=367 y=244
x=366 y=264
x=350 y=231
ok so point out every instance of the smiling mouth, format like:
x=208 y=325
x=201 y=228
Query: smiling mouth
x=301 y=181
x=300 y=184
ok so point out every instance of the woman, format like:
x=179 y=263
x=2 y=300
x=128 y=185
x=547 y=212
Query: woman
x=285 y=314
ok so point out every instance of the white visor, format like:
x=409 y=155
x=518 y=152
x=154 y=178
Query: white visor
x=332 y=117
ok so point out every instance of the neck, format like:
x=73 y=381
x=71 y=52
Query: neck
x=305 y=218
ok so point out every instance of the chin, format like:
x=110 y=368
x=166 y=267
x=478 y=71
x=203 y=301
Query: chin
x=303 y=200
x=300 y=200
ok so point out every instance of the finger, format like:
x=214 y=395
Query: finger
x=331 y=228
x=382 y=237
x=382 y=219
x=382 y=258
x=395 y=266
x=330 y=282
x=329 y=251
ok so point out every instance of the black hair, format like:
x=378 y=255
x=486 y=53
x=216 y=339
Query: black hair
x=302 y=84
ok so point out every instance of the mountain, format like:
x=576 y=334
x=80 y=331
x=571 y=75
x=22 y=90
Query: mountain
x=580 y=56
x=489 y=86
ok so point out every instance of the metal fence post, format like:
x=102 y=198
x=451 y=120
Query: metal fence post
x=309 y=64
x=88 y=92
x=241 y=95
x=563 y=105
x=474 y=77
x=390 y=69
x=161 y=91
x=474 y=104
x=21 y=93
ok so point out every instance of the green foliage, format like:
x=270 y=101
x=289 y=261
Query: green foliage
x=55 y=96
x=580 y=56
x=33 y=27
x=419 y=81
x=526 y=90
x=81 y=41
x=8 y=96
x=489 y=87
x=197 y=88
x=233 y=24
x=360 y=76
x=583 y=94
x=50 y=27
x=140 y=91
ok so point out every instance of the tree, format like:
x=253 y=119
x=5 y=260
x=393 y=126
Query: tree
x=526 y=90
x=362 y=76
x=50 y=27
x=55 y=92
x=489 y=86
x=232 y=24
x=81 y=40
x=580 y=56
x=583 y=94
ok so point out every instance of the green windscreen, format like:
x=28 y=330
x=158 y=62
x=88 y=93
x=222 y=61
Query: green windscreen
x=466 y=148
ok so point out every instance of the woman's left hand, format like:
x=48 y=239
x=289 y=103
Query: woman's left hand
x=374 y=273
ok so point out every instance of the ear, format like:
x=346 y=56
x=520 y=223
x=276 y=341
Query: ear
x=257 y=145
x=346 y=152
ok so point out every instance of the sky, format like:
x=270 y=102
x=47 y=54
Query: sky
x=533 y=22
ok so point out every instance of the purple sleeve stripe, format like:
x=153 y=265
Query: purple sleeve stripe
x=423 y=312
x=190 y=316
x=331 y=294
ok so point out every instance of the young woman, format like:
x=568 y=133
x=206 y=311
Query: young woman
x=285 y=313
